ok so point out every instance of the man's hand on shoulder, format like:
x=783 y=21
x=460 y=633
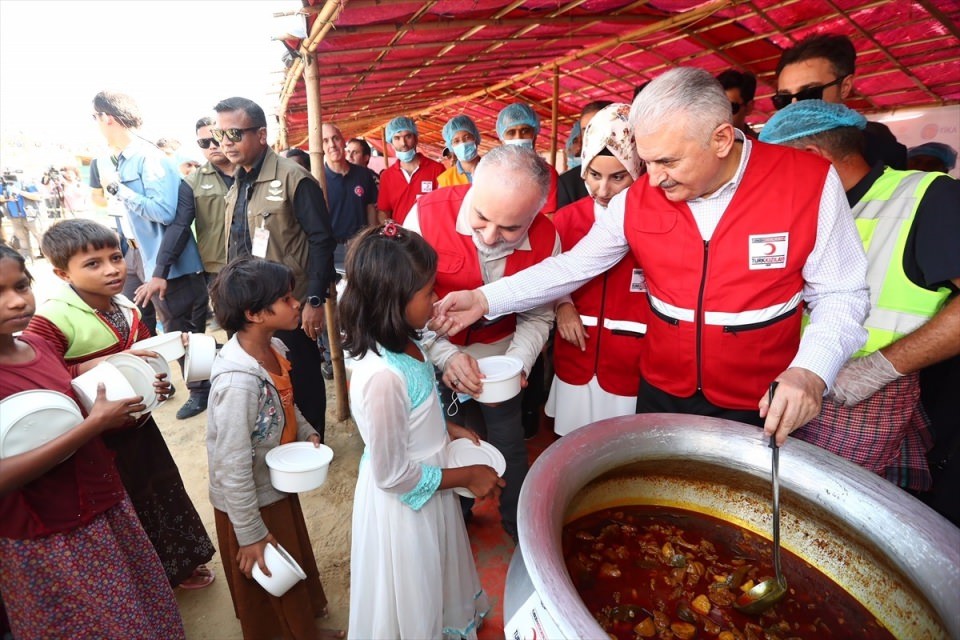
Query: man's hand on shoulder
x=457 y=311
x=796 y=402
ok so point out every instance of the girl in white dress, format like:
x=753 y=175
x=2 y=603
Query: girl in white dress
x=412 y=573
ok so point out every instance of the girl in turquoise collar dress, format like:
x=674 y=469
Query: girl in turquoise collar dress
x=412 y=573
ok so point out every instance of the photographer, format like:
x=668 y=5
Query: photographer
x=22 y=207
x=53 y=181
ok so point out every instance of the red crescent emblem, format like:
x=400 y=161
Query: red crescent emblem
x=770 y=248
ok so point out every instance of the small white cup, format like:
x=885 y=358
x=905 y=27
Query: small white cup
x=285 y=572
x=201 y=352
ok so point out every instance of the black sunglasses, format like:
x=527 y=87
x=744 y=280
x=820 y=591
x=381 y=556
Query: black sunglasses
x=233 y=135
x=204 y=143
x=781 y=100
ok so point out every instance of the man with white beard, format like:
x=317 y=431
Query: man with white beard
x=483 y=232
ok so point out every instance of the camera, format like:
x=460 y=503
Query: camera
x=52 y=174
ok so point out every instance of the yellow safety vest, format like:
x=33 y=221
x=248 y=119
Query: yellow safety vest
x=884 y=217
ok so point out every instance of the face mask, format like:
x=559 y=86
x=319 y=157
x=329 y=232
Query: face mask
x=406 y=156
x=573 y=162
x=465 y=152
x=521 y=142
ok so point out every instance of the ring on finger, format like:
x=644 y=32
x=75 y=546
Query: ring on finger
x=456 y=382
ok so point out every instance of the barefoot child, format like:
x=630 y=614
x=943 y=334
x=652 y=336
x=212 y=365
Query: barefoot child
x=86 y=318
x=411 y=569
x=74 y=560
x=251 y=411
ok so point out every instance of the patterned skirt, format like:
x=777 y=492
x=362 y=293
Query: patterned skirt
x=152 y=479
x=100 y=581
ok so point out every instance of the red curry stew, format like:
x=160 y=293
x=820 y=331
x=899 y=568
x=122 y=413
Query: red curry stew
x=654 y=572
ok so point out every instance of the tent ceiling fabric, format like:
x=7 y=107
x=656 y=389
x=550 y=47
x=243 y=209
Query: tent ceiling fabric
x=437 y=59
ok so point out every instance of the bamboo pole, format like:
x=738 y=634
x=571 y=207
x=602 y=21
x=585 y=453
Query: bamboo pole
x=554 y=112
x=386 y=155
x=311 y=81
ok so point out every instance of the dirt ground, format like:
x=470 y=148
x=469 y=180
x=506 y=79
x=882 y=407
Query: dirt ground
x=208 y=613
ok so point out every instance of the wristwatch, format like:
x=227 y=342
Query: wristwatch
x=112 y=188
x=315 y=301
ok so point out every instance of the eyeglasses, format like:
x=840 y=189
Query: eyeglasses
x=233 y=135
x=735 y=107
x=781 y=100
x=204 y=143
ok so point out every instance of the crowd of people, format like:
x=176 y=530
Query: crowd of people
x=677 y=247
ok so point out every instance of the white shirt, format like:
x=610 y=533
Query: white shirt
x=533 y=322
x=834 y=275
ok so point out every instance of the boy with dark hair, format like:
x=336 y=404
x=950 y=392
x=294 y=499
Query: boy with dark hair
x=88 y=317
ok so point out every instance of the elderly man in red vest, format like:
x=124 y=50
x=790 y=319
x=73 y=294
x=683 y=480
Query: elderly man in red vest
x=482 y=233
x=734 y=237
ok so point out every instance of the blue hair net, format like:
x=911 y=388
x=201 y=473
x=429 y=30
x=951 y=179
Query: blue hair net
x=398 y=124
x=459 y=123
x=516 y=114
x=943 y=152
x=809 y=117
x=574 y=134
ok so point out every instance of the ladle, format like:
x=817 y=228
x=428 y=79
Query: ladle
x=769 y=592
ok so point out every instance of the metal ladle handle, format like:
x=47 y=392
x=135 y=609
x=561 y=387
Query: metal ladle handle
x=775 y=476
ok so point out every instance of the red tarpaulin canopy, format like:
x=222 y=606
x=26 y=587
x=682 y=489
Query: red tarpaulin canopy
x=433 y=60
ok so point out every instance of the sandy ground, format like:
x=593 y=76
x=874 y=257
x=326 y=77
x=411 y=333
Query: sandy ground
x=208 y=613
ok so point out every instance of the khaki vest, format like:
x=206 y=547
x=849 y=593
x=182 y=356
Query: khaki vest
x=884 y=217
x=271 y=206
x=209 y=192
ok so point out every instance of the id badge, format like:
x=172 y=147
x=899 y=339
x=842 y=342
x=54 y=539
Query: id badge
x=261 y=236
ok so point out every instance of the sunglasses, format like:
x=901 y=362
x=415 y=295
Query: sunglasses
x=233 y=135
x=204 y=143
x=781 y=100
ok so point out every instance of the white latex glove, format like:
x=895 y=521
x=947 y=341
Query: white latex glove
x=860 y=378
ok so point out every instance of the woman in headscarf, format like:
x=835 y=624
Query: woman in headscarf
x=601 y=326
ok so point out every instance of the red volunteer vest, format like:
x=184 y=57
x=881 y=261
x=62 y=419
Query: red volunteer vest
x=614 y=311
x=725 y=314
x=458 y=266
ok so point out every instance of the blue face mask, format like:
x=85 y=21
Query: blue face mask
x=574 y=162
x=465 y=152
x=521 y=142
x=406 y=156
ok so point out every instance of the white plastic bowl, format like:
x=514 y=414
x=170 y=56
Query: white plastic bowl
x=501 y=379
x=284 y=571
x=139 y=374
x=298 y=466
x=117 y=385
x=168 y=345
x=30 y=419
x=201 y=352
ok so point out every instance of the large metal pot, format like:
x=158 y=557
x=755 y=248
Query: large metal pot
x=890 y=551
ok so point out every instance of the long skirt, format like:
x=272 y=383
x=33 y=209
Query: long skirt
x=263 y=616
x=100 y=581
x=152 y=479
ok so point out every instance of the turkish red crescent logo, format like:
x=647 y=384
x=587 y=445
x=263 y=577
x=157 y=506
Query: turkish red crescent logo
x=358 y=190
x=770 y=248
